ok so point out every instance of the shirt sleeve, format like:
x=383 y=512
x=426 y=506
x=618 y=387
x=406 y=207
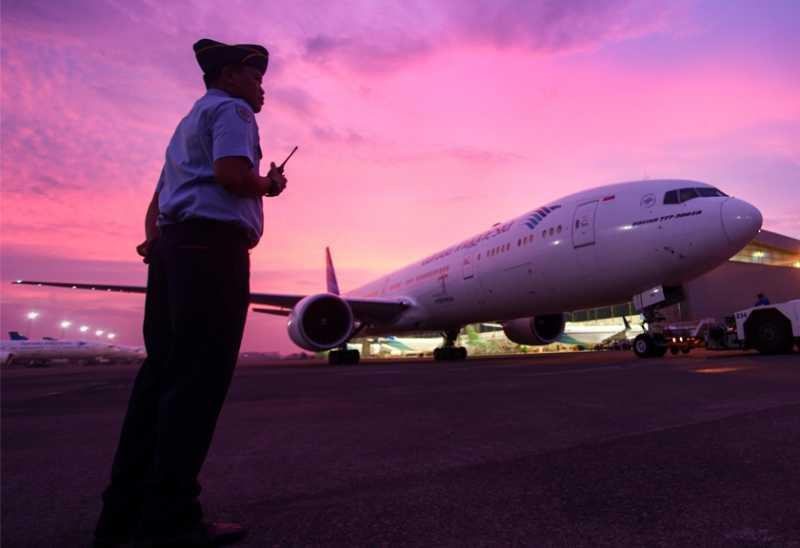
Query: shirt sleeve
x=160 y=184
x=232 y=132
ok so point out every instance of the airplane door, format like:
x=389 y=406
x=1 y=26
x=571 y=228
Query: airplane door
x=469 y=265
x=583 y=224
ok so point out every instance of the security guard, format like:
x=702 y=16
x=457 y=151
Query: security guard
x=205 y=216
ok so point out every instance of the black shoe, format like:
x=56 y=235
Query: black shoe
x=203 y=535
x=112 y=541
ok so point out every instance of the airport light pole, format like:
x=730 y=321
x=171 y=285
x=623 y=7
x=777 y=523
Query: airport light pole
x=32 y=318
x=83 y=329
x=64 y=325
x=99 y=332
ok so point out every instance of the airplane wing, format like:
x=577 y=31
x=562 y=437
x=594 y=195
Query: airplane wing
x=372 y=311
x=365 y=310
x=93 y=287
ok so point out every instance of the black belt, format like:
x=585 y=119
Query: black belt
x=208 y=229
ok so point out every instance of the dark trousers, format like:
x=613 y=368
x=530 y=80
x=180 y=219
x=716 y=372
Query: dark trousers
x=197 y=300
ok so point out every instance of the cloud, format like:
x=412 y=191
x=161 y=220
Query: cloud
x=331 y=135
x=295 y=99
x=380 y=54
x=545 y=27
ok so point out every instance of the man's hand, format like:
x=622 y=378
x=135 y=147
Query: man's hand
x=144 y=249
x=277 y=180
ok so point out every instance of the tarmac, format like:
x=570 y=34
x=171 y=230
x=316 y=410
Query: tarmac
x=567 y=450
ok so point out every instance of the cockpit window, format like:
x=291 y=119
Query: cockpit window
x=706 y=192
x=685 y=194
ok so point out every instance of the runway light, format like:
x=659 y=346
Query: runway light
x=83 y=328
x=111 y=335
x=65 y=324
x=99 y=332
x=33 y=315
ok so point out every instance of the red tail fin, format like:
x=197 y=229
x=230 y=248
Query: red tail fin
x=330 y=273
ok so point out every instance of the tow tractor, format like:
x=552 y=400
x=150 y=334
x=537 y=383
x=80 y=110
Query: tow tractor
x=770 y=329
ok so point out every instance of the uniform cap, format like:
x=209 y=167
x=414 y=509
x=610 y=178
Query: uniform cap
x=212 y=55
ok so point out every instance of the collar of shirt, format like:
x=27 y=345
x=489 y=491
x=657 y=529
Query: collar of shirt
x=218 y=92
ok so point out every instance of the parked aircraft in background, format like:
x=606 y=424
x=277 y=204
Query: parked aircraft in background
x=575 y=334
x=599 y=247
x=21 y=350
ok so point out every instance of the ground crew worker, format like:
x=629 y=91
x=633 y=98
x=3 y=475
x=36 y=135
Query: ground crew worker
x=205 y=216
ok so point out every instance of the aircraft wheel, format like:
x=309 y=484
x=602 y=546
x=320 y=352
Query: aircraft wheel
x=344 y=357
x=674 y=350
x=450 y=354
x=644 y=346
x=773 y=337
x=659 y=351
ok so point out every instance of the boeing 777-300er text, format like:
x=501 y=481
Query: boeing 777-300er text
x=598 y=247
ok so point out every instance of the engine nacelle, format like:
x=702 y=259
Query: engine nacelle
x=537 y=330
x=320 y=322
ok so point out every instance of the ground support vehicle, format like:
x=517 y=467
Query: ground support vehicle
x=770 y=329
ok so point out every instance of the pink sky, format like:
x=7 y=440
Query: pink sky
x=419 y=124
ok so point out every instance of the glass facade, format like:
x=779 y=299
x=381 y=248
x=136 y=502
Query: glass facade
x=762 y=254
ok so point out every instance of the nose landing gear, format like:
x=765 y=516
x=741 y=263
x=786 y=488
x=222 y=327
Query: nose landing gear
x=649 y=345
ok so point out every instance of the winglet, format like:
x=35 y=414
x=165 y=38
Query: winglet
x=330 y=273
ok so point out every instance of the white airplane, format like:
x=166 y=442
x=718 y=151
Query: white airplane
x=598 y=247
x=20 y=349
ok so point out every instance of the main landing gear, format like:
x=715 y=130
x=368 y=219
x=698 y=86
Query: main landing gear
x=343 y=356
x=450 y=352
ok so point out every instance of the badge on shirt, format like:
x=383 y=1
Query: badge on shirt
x=244 y=114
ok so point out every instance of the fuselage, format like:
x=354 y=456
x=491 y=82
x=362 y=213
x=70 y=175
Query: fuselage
x=589 y=249
x=46 y=350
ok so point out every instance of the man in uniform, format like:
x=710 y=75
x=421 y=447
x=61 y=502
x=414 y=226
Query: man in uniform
x=205 y=216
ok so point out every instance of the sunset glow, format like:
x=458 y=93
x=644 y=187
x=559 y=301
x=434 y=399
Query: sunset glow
x=417 y=124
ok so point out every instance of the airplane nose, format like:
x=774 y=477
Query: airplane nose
x=740 y=221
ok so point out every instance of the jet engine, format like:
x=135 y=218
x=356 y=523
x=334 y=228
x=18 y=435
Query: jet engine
x=320 y=322
x=536 y=330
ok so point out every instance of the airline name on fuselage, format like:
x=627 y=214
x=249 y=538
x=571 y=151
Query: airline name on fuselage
x=472 y=242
